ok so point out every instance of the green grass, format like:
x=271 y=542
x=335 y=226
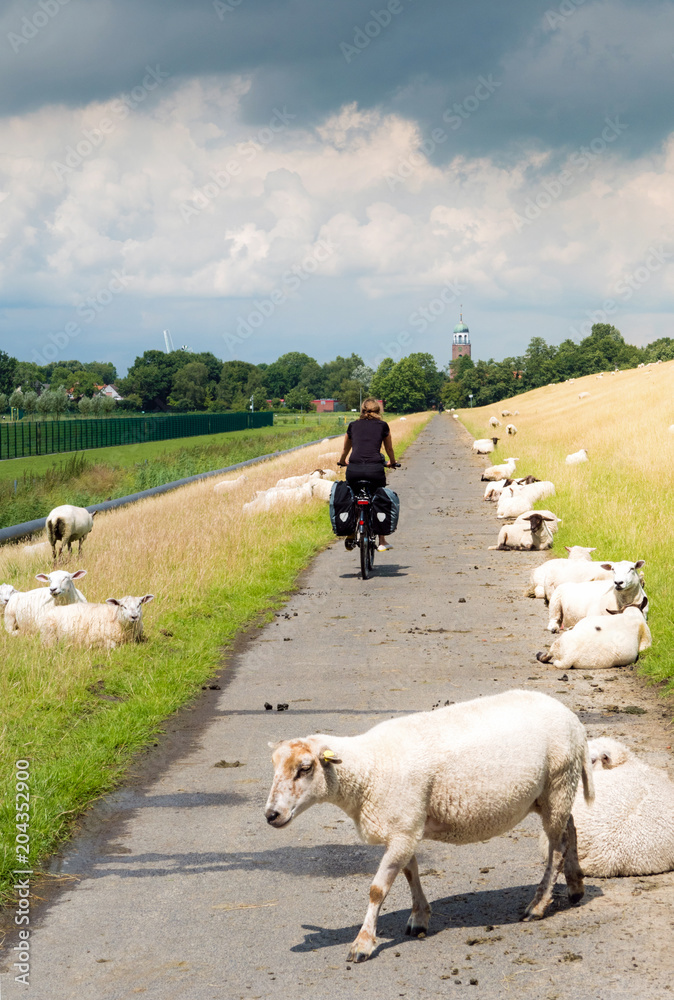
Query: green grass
x=80 y=744
x=84 y=478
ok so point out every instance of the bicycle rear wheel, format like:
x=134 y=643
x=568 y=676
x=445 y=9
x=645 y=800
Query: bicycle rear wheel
x=364 y=545
x=371 y=549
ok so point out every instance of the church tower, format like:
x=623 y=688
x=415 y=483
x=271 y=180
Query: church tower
x=461 y=340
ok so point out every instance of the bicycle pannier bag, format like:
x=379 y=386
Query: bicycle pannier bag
x=385 y=510
x=343 y=510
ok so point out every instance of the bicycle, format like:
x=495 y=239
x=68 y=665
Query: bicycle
x=366 y=533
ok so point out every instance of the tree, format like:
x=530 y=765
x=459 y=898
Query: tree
x=83 y=382
x=298 y=399
x=16 y=399
x=45 y=404
x=379 y=379
x=364 y=375
x=405 y=387
x=190 y=385
x=108 y=405
x=97 y=405
x=30 y=403
x=432 y=376
x=350 y=392
x=60 y=403
x=7 y=372
x=104 y=372
x=3 y=402
x=84 y=406
x=28 y=375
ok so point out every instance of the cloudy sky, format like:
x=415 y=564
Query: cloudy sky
x=260 y=176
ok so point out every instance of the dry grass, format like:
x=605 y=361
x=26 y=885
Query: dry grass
x=211 y=569
x=620 y=500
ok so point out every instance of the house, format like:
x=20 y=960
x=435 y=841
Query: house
x=328 y=406
x=109 y=390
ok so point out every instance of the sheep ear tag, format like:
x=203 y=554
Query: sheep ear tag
x=328 y=757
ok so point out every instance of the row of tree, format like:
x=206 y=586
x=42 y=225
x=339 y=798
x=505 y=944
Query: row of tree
x=183 y=380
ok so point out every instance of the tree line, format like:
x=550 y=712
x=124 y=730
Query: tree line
x=182 y=380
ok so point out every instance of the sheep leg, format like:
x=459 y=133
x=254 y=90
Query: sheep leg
x=573 y=873
x=555 y=811
x=539 y=904
x=417 y=925
x=395 y=858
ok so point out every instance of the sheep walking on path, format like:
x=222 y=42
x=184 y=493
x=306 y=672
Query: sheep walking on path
x=461 y=774
x=629 y=830
x=67 y=524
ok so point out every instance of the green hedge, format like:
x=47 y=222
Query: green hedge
x=19 y=440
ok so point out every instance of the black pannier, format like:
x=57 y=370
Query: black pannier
x=343 y=510
x=385 y=510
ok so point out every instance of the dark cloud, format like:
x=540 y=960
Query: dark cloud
x=559 y=74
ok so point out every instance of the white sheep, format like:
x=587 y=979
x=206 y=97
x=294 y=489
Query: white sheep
x=600 y=641
x=506 y=413
x=455 y=416
x=532 y=532
x=483 y=446
x=324 y=474
x=328 y=457
x=67 y=524
x=495 y=472
x=536 y=586
x=577 y=457
x=35 y=549
x=511 y=429
x=583 y=395
x=25 y=609
x=516 y=499
x=574 y=572
x=629 y=830
x=461 y=774
x=494 y=422
x=516 y=413
x=117 y=621
x=275 y=498
x=6 y=591
x=225 y=485
x=292 y=482
x=321 y=488
x=552 y=519
x=572 y=601
x=492 y=491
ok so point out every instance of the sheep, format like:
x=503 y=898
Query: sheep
x=496 y=472
x=24 y=610
x=516 y=413
x=600 y=641
x=483 y=446
x=573 y=572
x=6 y=591
x=533 y=532
x=577 y=457
x=583 y=395
x=455 y=416
x=109 y=625
x=506 y=413
x=493 y=490
x=292 y=482
x=460 y=774
x=275 y=497
x=324 y=474
x=68 y=524
x=516 y=500
x=225 y=485
x=511 y=429
x=576 y=553
x=328 y=456
x=572 y=601
x=36 y=549
x=630 y=828
x=321 y=488
x=494 y=422
x=553 y=520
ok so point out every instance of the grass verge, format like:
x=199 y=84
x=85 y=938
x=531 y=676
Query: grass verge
x=78 y=716
x=618 y=501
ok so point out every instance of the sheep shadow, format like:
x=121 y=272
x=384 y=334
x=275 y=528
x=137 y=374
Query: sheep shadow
x=463 y=912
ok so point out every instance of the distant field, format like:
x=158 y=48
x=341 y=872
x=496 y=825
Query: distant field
x=621 y=501
x=79 y=716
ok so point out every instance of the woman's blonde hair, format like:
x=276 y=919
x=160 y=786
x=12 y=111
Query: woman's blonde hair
x=370 y=409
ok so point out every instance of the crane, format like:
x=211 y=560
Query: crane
x=168 y=340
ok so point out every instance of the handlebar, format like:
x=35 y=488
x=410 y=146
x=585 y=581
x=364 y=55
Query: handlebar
x=387 y=465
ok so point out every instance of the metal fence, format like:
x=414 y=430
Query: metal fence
x=24 y=438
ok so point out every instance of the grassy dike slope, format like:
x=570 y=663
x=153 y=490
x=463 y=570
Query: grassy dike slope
x=621 y=500
x=212 y=570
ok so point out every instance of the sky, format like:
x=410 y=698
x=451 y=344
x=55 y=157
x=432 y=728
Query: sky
x=264 y=176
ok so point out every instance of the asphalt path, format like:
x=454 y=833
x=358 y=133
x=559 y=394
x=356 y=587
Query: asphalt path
x=176 y=888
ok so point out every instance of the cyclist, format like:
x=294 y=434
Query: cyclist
x=364 y=438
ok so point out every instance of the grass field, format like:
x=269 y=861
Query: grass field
x=621 y=500
x=79 y=716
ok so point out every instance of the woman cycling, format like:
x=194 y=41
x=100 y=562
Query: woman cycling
x=364 y=438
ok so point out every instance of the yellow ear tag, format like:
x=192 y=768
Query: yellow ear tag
x=328 y=754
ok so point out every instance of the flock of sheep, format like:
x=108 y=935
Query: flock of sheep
x=599 y=611
x=59 y=611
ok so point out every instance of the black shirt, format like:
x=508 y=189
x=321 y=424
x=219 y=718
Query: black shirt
x=366 y=438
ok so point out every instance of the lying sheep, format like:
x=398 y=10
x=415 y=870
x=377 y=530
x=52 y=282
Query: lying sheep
x=553 y=520
x=6 y=591
x=536 y=587
x=496 y=472
x=292 y=482
x=35 y=549
x=506 y=413
x=25 y=610
x=225 y=485
x=576 y=457
x=493 y=490
x=455 y=416
x=328 y=457
x=483 y=446
x=516 y=413
x=583 y=395
x=576 y=572
x=461 y=774
x=572 y=601
x=600 y=641
x=117 y=621
x=516 y=499
x=629 y=830
x=321 y=488
x=511 y=429
x=67 y=524
x=494 y=422
x=532 y=532
x=276 y=498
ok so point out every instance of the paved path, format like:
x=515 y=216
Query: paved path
x=183 y=891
